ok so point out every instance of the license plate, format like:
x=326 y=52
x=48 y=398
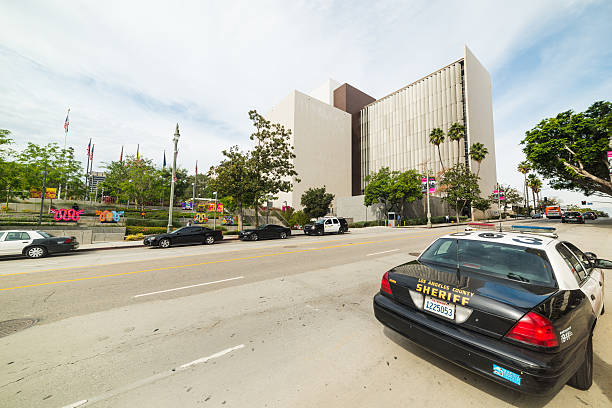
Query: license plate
x=440 y=307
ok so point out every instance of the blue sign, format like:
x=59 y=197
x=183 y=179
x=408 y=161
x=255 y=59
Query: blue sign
x=507 y=374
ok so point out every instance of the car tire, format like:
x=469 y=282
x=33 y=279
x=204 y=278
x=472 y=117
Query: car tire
x=283 y=235
x=341 y=230
x=254 y=237
x=164 y=243
x=209 y=240
x=36 y=252
x=319 y=233
x=603 y=309
x=583 y=379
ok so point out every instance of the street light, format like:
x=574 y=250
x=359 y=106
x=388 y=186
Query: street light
x=42 y=197
x=428 y=210
x=193 y=197
x=215 y=219
x=176 y=139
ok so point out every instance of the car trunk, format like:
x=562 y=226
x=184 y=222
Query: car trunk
x=486 y=304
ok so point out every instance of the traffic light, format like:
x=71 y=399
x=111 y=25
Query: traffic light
x=584 y=203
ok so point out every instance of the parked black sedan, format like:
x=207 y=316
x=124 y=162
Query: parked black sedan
x=184 y=236
x=267 y=231
x=572 y=216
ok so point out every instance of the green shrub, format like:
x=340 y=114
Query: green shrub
x=135 y=237
x=132 y=229
x=231 y=233
x=143 y=222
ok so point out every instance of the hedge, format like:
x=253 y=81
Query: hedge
x=133 y=230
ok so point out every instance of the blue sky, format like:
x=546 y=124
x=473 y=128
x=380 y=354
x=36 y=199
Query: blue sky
x=130 y=71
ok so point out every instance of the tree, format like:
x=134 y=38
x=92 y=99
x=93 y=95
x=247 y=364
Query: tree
x=535 y=184
x=436 y=137
x=202 y=187
x=524 y=168
x=236 y=177
x=478 y=152
x=316 y=202
x=461 y=187
x=272 y=159
x=569 y=150
x=482 y=204
x=392 y=189
x=298 y=218
x=511 y=195
x=455 y=133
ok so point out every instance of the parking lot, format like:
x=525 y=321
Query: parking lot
x=280 y=323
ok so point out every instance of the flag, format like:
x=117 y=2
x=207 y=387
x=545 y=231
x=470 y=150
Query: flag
x=89 y=148
x=67 y=122
x=92 y=151
x=121 y=155
x=196 y=169
x=164 y=165
x=138 y=152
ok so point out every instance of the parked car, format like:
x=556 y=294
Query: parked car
x=185 y=236
x=516 y=307
x=590 y=215
x=267 y=231
x=34 y=244
x=327 y=225
x=572 y=216
x=536 y=215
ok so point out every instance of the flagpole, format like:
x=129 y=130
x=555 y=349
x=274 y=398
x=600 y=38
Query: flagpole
x=66 y=123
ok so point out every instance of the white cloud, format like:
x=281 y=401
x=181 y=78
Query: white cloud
x=130 y=70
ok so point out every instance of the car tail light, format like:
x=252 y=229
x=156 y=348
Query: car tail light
x=384 y=284
x=67 y=240
x=534 y=329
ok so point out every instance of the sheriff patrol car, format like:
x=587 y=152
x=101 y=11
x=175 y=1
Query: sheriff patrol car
x=515 y=306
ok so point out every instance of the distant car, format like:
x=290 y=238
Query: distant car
x=34 y=244
x=572 y=216
x=185 y=236
x=518 y=308
x=589 y=215
x=327 y=225
x=536 y=215
x=267 y=231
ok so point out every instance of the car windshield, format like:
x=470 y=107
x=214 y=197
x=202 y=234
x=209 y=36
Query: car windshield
x=320 y=221
x=492 y=258
x=44 y=234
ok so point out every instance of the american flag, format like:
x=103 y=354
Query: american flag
x=89 y=148
x=67 y=122
x=196 y=168
x=92 y=150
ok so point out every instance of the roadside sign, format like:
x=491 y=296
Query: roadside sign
x=499 y=194
x=610 y=161
x=432 y=185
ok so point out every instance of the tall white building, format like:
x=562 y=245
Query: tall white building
x=395 y=129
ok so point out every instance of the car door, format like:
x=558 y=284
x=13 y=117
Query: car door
x=328 y=227
x=590 y=283
x=193 y=235
x=335 y=225
x=14 y=242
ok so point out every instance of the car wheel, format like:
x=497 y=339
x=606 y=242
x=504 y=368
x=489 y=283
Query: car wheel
x=341 y=230
x=283 y=235
x=164 y=243
x=319 y=232
x=36 y=252
x=583 y=379
x=210 y=240
x=254 y=237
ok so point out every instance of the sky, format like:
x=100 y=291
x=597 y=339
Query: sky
x=130 y=71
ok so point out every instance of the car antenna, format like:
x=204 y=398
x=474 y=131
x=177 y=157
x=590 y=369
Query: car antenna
x=457 y=255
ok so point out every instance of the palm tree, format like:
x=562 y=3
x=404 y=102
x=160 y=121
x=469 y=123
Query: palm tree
x=456 y=133
x=436 y=137
x=478 y=152
x=524 y=168
x=535 y=184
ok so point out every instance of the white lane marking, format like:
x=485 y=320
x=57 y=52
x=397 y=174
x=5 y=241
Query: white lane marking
x=312 y=307
x=216 y=355
x=383 y=252
x=148 y=380
x=76 y=404
x=190 y=286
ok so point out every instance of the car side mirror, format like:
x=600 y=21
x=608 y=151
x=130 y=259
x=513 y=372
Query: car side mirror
x=590 y=256
x=603 y=264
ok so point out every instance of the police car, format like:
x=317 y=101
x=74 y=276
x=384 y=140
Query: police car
x=517 y=307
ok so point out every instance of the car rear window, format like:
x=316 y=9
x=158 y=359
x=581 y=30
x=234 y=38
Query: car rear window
x=492 y=258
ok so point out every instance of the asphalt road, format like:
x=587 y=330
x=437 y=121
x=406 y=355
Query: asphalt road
x=264 y=324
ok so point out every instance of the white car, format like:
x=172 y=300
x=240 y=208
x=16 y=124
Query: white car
x=34 y=244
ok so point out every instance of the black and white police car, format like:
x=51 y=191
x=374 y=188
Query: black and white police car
x=327 y=225
x=516 y=307
x=34 y=244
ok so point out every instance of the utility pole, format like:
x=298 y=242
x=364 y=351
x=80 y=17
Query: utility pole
x=215 y=219
x=176 y=139
x=42 y=197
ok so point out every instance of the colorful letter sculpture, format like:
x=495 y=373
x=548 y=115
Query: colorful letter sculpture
x=67 y=214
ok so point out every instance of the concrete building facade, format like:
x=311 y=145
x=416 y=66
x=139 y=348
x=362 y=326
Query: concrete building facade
x=321 y=138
